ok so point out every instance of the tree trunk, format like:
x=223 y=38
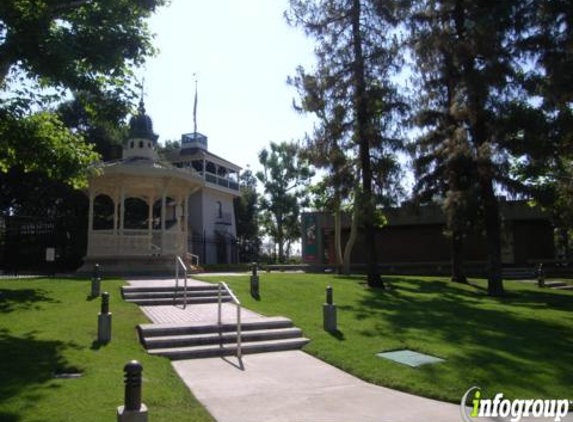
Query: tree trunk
x=493 y=233
x=5 y=63
x=457 y=244
x=363 y=134
x=350 y=242
x=337 y=239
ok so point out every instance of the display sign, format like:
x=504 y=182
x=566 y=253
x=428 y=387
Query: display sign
x=50 y=254
x=310 y=239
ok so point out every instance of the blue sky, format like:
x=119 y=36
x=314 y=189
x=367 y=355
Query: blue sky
x=242 y=51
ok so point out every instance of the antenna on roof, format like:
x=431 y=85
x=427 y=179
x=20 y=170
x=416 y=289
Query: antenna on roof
x=195 y=108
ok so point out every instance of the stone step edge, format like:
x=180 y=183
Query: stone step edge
x=179 y=293
x=178 y=300
x=183 y=328
x=132 y=289
x=203 y=339
x=230 y=349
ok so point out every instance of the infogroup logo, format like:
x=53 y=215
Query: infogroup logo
x=554 y=410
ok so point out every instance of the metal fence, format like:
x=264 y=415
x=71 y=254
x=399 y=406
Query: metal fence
x=218 y=249
x=40 y=245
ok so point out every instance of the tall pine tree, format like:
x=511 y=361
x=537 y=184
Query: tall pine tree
x=356 y=56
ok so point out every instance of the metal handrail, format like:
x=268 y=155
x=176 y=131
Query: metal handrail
x=179 y=262
x=193 y=257
x=223 y=286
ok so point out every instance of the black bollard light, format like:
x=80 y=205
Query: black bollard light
x=96 y=281
x=540 y=276
x=105 y=303
x=329 y=295
x=133 y=370
x=104 y=320
x=254 y=281
x=329 y=312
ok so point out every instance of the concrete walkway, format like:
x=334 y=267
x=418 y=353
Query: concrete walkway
x=294 y=386
x=290 y=386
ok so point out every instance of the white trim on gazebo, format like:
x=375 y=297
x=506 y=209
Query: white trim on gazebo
x=121 y=182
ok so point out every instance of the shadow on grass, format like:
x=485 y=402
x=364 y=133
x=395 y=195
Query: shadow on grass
x=9 y=417
x=29 y=364
x=21 y=299
x=509 y=337
x=338 y=335
x=96 y=344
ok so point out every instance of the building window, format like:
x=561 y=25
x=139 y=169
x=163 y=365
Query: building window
x=131 y=144
x=140 y=144
x=219 y=209
x=211 y=168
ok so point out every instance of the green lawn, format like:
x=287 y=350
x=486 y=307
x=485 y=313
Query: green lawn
x=49 y=326
x=521 y=345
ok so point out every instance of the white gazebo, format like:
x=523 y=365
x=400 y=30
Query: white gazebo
x=138 y=208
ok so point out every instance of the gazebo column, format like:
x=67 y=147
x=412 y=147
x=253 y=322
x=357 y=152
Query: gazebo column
x=163 y=215
x=121 y=218
x=91 y=220
x=150 y=221
x=116 y=208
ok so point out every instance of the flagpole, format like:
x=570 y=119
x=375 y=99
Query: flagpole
x=195 y=109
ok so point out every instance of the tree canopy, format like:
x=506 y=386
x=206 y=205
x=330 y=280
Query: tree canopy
x=51 y=50
x=285 y=175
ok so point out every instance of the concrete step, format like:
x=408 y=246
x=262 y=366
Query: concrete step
x=178 y=293
x=555 y=284
x=195 y=288
x=566 y=287
x=220 y=338
x=230 y=349
x=190 y=328
x=178 y=301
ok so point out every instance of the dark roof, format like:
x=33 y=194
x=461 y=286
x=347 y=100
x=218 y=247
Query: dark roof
x=141 y=125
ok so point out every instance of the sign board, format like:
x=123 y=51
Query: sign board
x=310 y=238
x=50 y=254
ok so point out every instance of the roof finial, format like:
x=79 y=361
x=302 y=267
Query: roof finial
x=195 y=108
x=141 y=101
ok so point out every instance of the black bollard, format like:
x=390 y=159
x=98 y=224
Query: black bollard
x=104 y=320
x=133 y=370
x=96 y=279
x=254 y=282
x=105 y=303
x=329 y=312
x=540 y=276
x=329 y=295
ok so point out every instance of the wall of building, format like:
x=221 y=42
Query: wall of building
x=416 y=237
x=533 y=241
x=218 y=226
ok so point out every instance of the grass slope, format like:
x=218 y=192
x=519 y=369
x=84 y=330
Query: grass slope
x=49 y=326
x=521 y=345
